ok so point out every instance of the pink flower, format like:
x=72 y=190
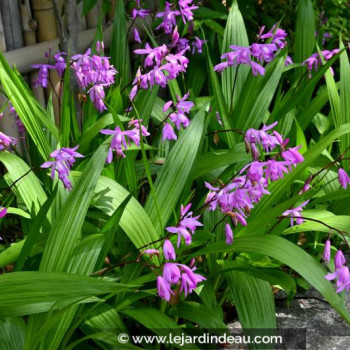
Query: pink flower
x=327 y=251
x=164 y=289
x=64 y=160
x=343 y=178
x=136 y=36
x=339 y=259
x=168 y=132
x=168 y=250
x=296 y=213
x=3 y=211
x=229 y=234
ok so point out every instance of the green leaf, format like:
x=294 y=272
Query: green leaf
x=109 y=195
x=257 y=95
x=119 y=45
x=34 y=229
x=253 y=299
x=176 y=171
x=289 y=254
x=220 y=100
x=304 y=43
x=12 y=333
x=299 y=93
x=38 y=292
x=66 y=231
x=31 y=292
x=27 y=107
x=272 y=275
x=92 y=131
x=28 y=187
x=340 y=222
x=199 y=314
x=344 y=100
x=154 y=320
x=300 y=139
x=109 y=230
x=104 y=318
x=65 y=117
x=235 y=34
x=214 y=160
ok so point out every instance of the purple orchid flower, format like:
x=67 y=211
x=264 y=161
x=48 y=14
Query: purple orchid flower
x=295 y=214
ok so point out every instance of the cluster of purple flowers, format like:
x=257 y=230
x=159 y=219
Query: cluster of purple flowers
x=341 y=273
x=162 y=66
x=64 y=160
x=315 y=60
x=121 y=139
x=257 y=54
x=187 y=225
x=295 y=213
x=238 y=197
x=180 y=44
x=139 y=12
x=175 y=274
x=170 y=13
x=93 y=73
x=177 y=116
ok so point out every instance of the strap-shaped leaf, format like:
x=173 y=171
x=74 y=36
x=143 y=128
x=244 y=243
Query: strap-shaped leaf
x=66 y=231
x=289 y=254
x=27 y=107
x=235 y=34
x=253 y=299
x=31 y=292
x=176 y=171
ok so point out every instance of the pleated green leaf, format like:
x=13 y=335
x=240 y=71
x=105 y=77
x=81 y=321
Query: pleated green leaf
x=235 y=34
x=176 y=171
x=120 y=55
x=340 y=222
x=257 y=95
x=109 y=195
x=344 y=100
x=220 y=100
x=214 y=160
x=252 y=297
x=31 y=292
x=304 y=43
x=12 y=332
x=28 y=187
x=199 y=314
x=66 y=231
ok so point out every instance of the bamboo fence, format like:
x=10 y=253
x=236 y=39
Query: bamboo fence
x=30 y=28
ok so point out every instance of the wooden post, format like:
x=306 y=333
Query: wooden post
x=2 y=37
x=11 y=20
x=29 y=26
x=44 y=13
